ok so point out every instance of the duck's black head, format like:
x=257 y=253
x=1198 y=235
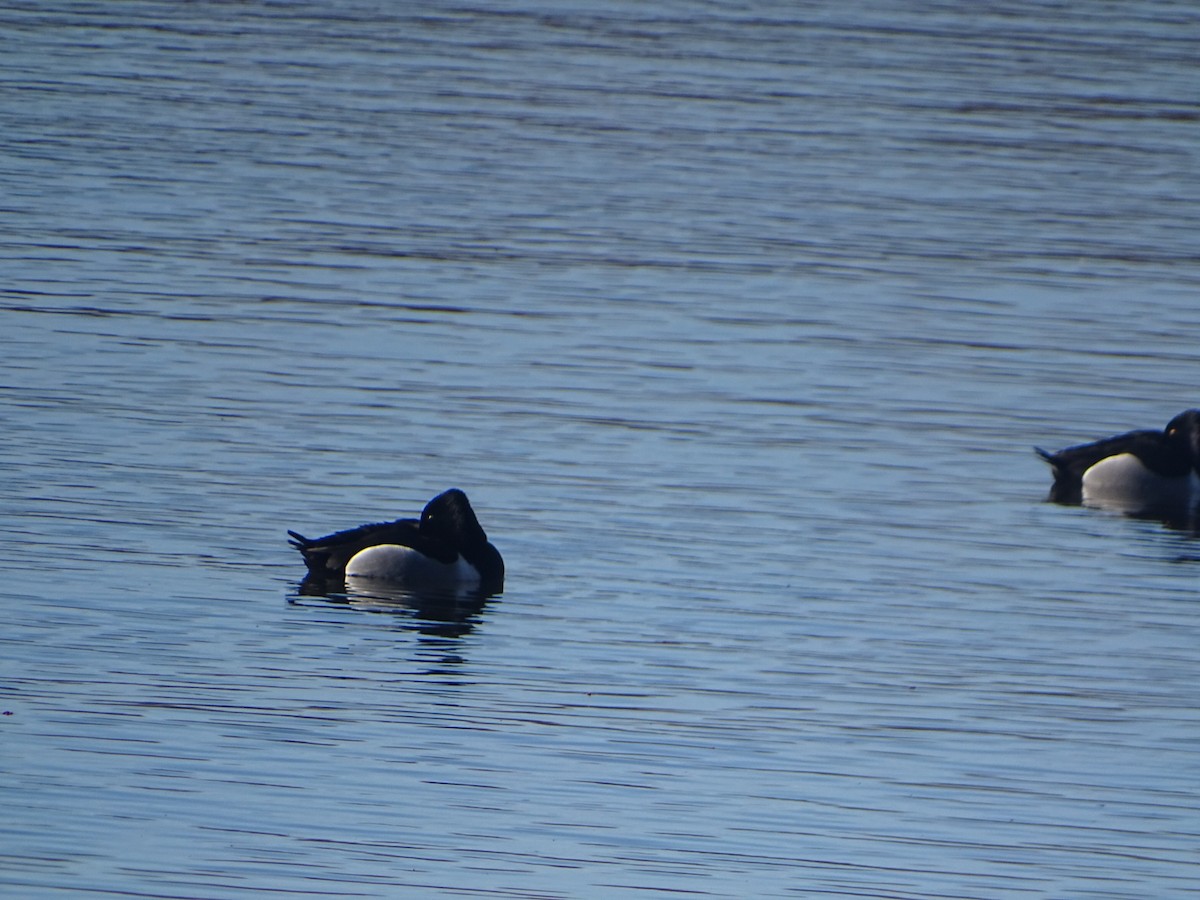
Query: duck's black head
x=449 y=517
x=1185 y=427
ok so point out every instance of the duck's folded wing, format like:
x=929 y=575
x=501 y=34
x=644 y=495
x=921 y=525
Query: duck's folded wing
x=1149 y=446
x=328 y=555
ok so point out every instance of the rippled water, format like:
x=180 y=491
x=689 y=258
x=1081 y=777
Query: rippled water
x=737 y=325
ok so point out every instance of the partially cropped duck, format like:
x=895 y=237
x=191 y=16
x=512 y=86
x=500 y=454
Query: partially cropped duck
x=1138 y=469
x=446 y=549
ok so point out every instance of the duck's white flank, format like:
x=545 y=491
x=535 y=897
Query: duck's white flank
x=1124 y=479
x=393 y=562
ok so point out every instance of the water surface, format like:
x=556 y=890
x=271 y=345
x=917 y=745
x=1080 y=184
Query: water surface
x=737 y=326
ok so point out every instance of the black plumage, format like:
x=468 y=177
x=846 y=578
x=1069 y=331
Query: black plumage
x=447 y=530
x=1173 y=453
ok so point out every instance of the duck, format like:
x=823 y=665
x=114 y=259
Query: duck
x=445 y=549
x=1134 y=470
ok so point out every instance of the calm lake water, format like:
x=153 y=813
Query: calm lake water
x=737 y=325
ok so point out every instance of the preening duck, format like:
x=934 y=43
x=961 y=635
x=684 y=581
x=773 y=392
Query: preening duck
x=1135 y=469
x=445 y=549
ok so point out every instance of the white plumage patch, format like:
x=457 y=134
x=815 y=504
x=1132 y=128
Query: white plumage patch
x=1123 y=480
x=404 y=565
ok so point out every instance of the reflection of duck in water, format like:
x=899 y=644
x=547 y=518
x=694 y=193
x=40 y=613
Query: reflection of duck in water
x=444 y=552
x=1139 y=471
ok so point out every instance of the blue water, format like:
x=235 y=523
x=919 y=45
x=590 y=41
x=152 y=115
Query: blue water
x=737 y=325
